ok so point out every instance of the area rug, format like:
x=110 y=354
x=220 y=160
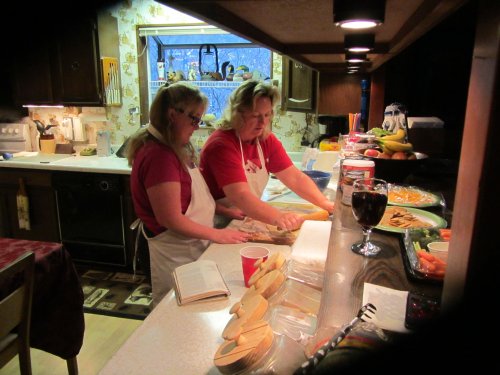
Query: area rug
x=116 y=294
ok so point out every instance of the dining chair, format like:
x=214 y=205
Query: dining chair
x=15 y=312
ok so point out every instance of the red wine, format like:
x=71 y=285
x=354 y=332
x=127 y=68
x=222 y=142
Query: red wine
x=368 y=207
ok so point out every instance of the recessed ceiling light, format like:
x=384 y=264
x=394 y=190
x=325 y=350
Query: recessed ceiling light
x=358 y=14
x=356 y=57
x=359 y=42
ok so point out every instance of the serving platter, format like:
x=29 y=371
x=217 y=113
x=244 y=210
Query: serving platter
x=431 y=220
x=411 y=196
x=410 y=262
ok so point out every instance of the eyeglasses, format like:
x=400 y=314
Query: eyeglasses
x=195 y=121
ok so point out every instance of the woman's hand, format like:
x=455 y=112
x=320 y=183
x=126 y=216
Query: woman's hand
x=232 y=212
x=289 y=221
x=235 y=213
x=226 y=236
x=328 y=205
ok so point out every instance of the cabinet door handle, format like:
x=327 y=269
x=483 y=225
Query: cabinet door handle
x=75 y=65
x=298 y=100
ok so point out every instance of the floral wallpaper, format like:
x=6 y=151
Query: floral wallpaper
x=289 y=127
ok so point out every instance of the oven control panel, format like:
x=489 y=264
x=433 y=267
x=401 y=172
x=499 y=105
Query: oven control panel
x=12 y=132
x=14 y=137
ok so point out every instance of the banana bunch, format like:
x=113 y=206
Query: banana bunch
x=399 y=136
x=391 y=147
x=394 y=143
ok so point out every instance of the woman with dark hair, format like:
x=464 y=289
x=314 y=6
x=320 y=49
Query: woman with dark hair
x=169 y=194
x=238 y=157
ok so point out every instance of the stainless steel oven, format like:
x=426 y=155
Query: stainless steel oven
x=91 y=220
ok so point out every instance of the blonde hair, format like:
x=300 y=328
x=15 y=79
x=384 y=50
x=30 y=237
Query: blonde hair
x=177 y=95
x=243 y=99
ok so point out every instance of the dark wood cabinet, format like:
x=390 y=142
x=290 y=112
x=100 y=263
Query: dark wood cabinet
x=78 y=80
x=299 y=87
x=42 y=205
x=61 y=66
x=51 y=205
x=32 y=67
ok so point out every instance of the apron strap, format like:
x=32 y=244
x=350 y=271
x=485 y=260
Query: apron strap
x=137 y=224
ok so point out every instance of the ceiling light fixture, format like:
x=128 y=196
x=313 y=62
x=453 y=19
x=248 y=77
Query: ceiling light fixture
x=358 y=14
x=356 y=58
x=359 y=42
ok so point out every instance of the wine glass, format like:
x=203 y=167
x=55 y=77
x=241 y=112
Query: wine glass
x=369 y=199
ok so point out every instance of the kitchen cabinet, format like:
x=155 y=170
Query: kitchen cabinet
x=72 y=213
x=62 y=66
x=78 y=80
x=42 y=205
x=299 y=87
x=32 y=81
x=95 y=217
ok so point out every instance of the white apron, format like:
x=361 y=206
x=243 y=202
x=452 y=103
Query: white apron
x=169 y=249
x=256 y=181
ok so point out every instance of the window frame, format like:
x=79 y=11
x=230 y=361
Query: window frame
x=143 y=64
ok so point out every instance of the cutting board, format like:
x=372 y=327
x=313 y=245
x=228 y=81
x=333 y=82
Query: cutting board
x=240 y=353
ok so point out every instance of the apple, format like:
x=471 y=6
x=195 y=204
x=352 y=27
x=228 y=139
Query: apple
x=383 y=155
x=371 y=152
x=399 y=155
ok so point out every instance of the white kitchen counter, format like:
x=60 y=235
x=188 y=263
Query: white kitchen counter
x=184 y=339
x=69 y=162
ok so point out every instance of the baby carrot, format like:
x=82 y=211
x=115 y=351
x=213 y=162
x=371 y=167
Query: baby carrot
x=424 y=254
x=426 y=265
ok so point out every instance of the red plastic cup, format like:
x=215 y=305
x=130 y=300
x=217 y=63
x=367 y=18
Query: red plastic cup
x=250 y=255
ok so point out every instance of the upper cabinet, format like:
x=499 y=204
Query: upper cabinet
x=63 y=67
x=299 y=87
x=78 y=78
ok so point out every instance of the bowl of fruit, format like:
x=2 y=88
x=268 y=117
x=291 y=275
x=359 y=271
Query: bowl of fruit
x=394 y=158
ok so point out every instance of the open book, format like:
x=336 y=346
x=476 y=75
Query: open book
x=199 y=280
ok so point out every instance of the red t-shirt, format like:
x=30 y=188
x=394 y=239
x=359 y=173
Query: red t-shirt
x=155 y=163
x=221 y=164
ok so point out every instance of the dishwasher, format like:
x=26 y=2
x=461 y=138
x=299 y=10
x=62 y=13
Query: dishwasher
x=90 y=215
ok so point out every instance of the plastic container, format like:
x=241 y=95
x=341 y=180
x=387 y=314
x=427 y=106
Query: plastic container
x=283 y=357
x=439 y=249
x=305 y=274
x=329 y=145
x=298 y=296
x=47 y=144
x=351 y=170
x=325 y=161
x=103 y=143
x=297 y=325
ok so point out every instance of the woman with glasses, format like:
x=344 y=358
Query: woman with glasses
x=237 y=158
x=170 y=196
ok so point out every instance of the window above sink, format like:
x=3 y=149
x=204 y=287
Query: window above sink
x=188 y=52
